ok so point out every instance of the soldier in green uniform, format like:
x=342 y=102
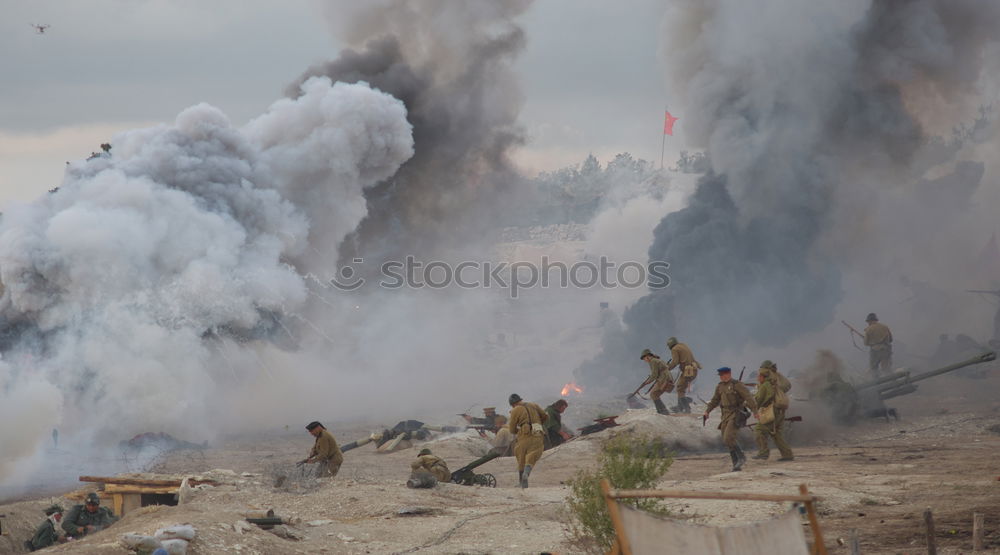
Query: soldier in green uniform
x=687 y=370
x=659 y=376
x=878 y=339
x=432 y=464
x=526 y=420
x=46 y=534
x=768 y=395
x=325 y=452
x=555 y=434
x=87 y=518
x=732 y=396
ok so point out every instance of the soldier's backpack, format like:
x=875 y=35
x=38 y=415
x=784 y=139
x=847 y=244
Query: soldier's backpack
x=780 y=397
x=783 y=384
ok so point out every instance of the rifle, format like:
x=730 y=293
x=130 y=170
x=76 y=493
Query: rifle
x=482 y=430
x=704 y=418
x=853 y=333
x=997 y=292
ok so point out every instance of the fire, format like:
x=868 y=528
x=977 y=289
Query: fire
x=571 y=387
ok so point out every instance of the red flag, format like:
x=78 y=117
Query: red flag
x=668 y=124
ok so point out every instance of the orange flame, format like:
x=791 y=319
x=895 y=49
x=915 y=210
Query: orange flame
x=571 y=387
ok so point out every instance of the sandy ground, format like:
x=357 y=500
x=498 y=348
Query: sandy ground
x=877 y=478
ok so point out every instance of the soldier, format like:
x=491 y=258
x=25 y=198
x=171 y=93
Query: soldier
x=768 y=394
x=503 y=442
x=659 y=376
x=325 y=452
x=687 y=370
x=432 y=464
x=87 y=518
x=555 y=434
x=47 y=532
x=878 y=339
x=526 y=421
x=731 y=395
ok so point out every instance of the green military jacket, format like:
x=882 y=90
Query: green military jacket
x=79 y=517
x=659 y=372
x=45 y=535
x=554 y=421
x=731 y=396
x=765 y=394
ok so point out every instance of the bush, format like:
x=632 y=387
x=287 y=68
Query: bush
x=628 y=462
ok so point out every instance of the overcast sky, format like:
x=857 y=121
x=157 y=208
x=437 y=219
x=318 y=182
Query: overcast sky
x=590 y=75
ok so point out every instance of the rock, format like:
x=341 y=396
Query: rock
x=175 y=547
x=242 y=526
x=286 y=532
x=319 y=522
x=345 y=538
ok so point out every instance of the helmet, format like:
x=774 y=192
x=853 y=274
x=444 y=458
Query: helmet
x=514 y=399
x=671 y=341
x=768 y=364
x=423 y=452
x=871 y=317
x=764 y=371
x=93 y=499
x=645 y=353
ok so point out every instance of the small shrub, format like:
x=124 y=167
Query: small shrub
x=628 y=462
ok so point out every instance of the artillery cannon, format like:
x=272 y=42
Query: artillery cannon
x=847 y=402
x=466 y=477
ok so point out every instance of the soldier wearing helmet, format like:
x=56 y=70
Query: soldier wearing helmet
x=878 y=339
x=687 y=370
x=87 y=518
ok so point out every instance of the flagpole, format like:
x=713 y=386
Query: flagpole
x=663 y=145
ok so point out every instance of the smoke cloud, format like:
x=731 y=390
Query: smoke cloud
x=123 y=285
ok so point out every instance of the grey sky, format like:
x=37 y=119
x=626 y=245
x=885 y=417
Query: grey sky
x=590 y=74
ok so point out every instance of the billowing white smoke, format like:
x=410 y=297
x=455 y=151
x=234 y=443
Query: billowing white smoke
x=186 y=230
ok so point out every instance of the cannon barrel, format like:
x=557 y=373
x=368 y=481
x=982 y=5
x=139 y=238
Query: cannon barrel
x=476 y=463
x=901 y=383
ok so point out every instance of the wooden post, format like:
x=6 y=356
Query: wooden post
x=621 y=540
x=929 y=523
x=978 y=520
x=818 y=547
x=853 y=542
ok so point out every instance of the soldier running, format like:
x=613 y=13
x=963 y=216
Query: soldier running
x=878 y=339
x=731 y=395
x=526 y=421
x=687 y=370
x=770 y=384
x=659 y=376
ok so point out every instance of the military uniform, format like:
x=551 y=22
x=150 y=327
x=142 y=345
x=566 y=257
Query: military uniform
x=503 y=440
x=45 y=534
x=878 y=338
x=434 y=465
x=732 y=396
x=766 y=396
x=530 y=444
x=327 y=455
x=687 y=370
x=552 y=426
x=79 y=517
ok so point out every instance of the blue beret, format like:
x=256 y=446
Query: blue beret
x=725 y=370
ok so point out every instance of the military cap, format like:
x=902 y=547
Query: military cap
x=313 y=425
x=92 y=498
x=725 y=370
x=514 y=399
x=53 y=510
x=768 y=364
x=671 y=341
x=645 y=353
x=489 y=410
x=424 y=451
x=871 y=317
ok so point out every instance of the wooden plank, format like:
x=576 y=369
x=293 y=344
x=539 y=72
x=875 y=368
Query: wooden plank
x=117 y=504
x=130 y=502
x=80 y=494
x=144 y=482
x=639 y=493
x=929 y=524
x=621 y=544
x=818 y=546
x=116 y=488
x=978 y=521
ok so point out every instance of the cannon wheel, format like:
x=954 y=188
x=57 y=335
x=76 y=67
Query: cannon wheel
x=489 y=481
